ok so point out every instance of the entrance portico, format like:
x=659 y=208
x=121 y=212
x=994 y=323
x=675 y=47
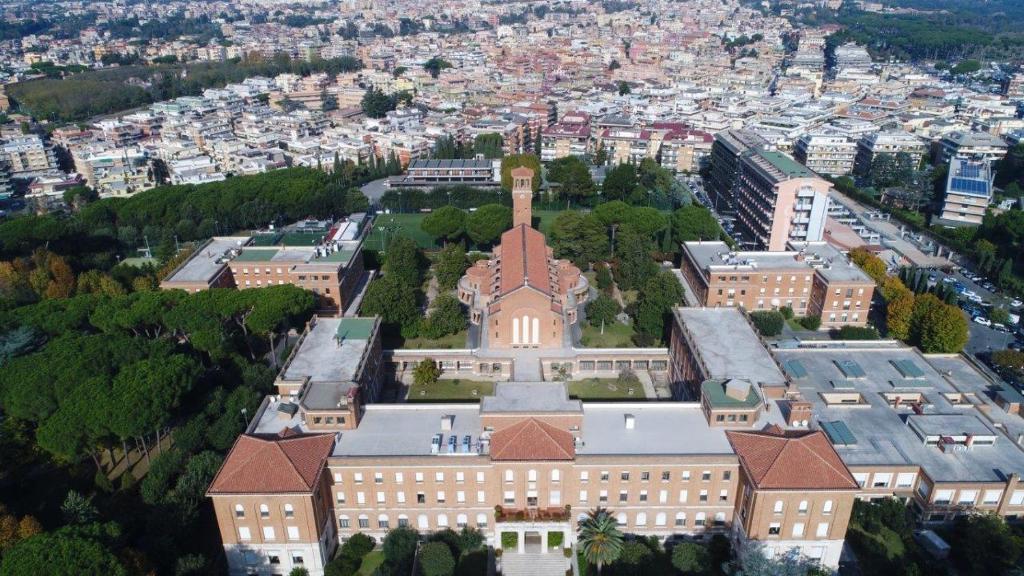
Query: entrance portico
x=536 y=537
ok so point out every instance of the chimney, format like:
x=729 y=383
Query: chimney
x=630 y=422
x=799 y=414
x=447 y=421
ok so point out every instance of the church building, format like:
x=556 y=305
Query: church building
x=522 y=296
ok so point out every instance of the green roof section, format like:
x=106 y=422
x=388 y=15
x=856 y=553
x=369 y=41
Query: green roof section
x=256 y=254
x=839 y=433
x=908 y=369
x=850 y=368
x=714 y=391
x=301 y=239
x=785 y=164
x=355 y=328
x=795 y=369
x=342 y=256
x=266 y=239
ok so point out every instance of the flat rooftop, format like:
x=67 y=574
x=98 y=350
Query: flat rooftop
x=713 y=257
x=534 y=397
x=882 y=435
x=408 y=429
x=331 y=351
x=208 y=261
x=728 y=347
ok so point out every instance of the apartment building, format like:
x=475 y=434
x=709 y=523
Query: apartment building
x=975 y=145
x=891 y=142
x=323 y=257
x=826 y=153
x=813 y=279
x=680 y=148
x=726 y=150
x=28 y=155
x=779 y=200
x=568 y=137
x=968 y=192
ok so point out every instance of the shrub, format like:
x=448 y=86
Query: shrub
x=555 y=539
x=768 y=322
x=357 y=546
x=509 y=539
x=602 y=310
x=689 y=558
x=787 y=312
x=811 y=322
x=436 y=559
x=400 y=546
x=857 y=333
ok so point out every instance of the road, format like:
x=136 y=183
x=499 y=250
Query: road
x=983 y=338
x=892 y=237
x=374 y=190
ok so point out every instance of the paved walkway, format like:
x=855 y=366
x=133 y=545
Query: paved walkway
x=648 y=384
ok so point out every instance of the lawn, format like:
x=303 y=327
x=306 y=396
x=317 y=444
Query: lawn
x=454 y=390
x=605 y=389
x=546 y=217
x=450 y=342
x=615 y=336
x=371 y=562
x=385 y=226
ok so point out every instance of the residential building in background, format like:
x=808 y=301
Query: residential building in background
x=968 y=192
x=826 y=153
x=887 y=142
x=726 y=151
x=779 y=200
x=974 y=145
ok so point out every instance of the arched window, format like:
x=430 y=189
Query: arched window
x=403 y=520
x=422 y=522
x=442 y=520
x=364 y=521
x=382 y=521
x=641 y=518
x=343 y=521
x=661 y=519
x=264 y=511
x=461 y=520
x=481 y=520
x=803 y=507
x=239 y=511
x=289 y=511
x=680 y=518
x=509 y=475
x=620 y=518
x=699 y=519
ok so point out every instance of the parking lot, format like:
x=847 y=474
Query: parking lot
x=983 y=338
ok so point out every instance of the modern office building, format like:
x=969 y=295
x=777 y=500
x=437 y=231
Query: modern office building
x=813 y=279
x=779 y=200
x=826 y=153
x=431 y=173
x=968 y=192
x=726 y=150
x=323 y=257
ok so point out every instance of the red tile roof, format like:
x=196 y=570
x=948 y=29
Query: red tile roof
x=267 y=466
x=532 y=439
x=524 y=260
x=775 y=459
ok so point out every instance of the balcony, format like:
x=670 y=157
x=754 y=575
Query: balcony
x=533 y=514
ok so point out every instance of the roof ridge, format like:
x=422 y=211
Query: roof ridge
x=294 y=467
x=819 y=457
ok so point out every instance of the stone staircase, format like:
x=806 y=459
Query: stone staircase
x=550 y=564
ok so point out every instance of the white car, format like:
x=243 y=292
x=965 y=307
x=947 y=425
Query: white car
x=1015 y=303
x=982 y=320
x=970 y=294
x=949 y=279
x=975 y=298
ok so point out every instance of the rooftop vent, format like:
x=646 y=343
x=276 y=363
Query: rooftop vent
x=447 y=421
x=737 y=389
x=630 y=422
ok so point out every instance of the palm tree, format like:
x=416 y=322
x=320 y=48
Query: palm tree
x=600 y=538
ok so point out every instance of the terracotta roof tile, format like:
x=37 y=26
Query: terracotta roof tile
x=261 y=466
x=524 y=260
x=775 y=459
x=532 y=439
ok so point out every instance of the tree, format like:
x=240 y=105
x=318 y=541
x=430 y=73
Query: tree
x=78 y=509
x=69 y=551
x=490 y=145
x=872 y=265
x=999 y=316
x=601 y=311
x=653 y=308
x=426 y=372
x=694 y=222
x=356 y=201
x=984 y=544
x=599 y=538
x=624 y=88
x=619 y=182
x=404 y=261
x=487 y=224
x=573 y=177
x=376 y=104
x=399 y=548
x=446 y=223
x=298 y=571
x=898 y=312
x=812 y=322
x=768 y=322
x=392 y=300
x=579 y=238
x=857 y=333
x=78 y=196
x=516 y=160
x=937 y=327
x=435 y=65
x=690 y=558
x=436 y=559
x=449 y=265
x=445 y=317
x=635 y=264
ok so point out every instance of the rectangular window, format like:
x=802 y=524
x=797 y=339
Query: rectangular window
x=268 y=533
x=481 y=496
x=992 y=496
x=723 y=496
x=683 y=496
x=703 y=496
x=881 y=480
x=643 y=495
x=400 y=496
x=460 y=477
x=666 y=476
x=364 y=522
x=822 y=530
x=774 y=528
x=624 y=476
x=510 y=497
x=297 y=558
x=360 y=498
x=378 y=477
x=623 y=496
x=358 y=477
x=460 y=497
x=583 y=496
x=440 y=496
x=243 y=533
x=380 y=498
x=584 y=476
x=419 y=477
x=705 y=476
x=798 y=530
x=905 y=479
x=438 y=476
x=1017 y=498
x=603 y=496
x=293 y=532
x=479 y=477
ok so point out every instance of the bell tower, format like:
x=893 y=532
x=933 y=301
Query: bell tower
x=522 y=196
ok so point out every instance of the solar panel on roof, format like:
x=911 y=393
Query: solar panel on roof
x=838 y=433
x=908 y=369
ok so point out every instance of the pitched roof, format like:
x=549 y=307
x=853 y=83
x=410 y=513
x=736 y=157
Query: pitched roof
x=776 y=459
x=262 y=466
x=532 y=439
x=524 y=260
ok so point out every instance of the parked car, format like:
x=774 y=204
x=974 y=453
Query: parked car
x=1000 y=327
x=982 y=320
x=989 y=286
x=975 y=298
x=1016 y=303
x=949 y=280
